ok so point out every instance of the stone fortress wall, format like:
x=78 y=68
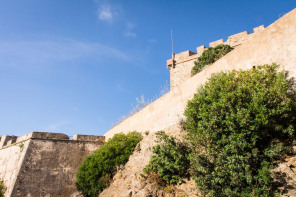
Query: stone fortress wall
x=44 y=164
x=181 y=64
x=276 y=43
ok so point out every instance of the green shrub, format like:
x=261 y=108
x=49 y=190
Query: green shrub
x=170 y=159
x=98 y=169
x=209 y=56
x=241 y=123
x=2 y=188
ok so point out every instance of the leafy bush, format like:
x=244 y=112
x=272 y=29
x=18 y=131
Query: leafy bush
x=98 y=169
x=241 y=124
x=170 y=159
x=2 y=188
x=209 y=56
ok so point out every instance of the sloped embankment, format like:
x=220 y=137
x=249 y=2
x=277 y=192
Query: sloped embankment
x=129 y=182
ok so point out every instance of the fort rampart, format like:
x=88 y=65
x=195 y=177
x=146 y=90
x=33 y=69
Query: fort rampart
x=181 y=64
x=276 y=43
x=44 y=164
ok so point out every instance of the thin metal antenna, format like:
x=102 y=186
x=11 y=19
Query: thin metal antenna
x=173 y=56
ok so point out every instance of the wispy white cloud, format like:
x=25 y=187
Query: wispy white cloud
x=106 y=13
x=130 y=25
x=130 y=34
x=151 y=41
x=44 y=51
x=129 y=30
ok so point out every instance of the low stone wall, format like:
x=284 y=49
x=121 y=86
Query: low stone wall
x=277 y=43
x=44 y=164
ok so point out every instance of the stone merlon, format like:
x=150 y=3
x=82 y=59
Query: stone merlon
x=180 y=65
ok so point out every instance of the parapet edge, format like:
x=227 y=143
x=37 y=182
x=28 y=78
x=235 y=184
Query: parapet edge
x=7 y=140
x=43 y=135
x=89 y=138
x=233 y=40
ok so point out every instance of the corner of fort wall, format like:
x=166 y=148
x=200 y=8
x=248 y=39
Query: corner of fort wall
x=38 y=163
x=277 y=43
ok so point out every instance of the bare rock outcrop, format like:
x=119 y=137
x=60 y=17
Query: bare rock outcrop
x=285 y=176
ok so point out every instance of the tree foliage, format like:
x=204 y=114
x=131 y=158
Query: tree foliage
x=209 y=56
x=241 y=123
x=98 y=169
x=170 y=159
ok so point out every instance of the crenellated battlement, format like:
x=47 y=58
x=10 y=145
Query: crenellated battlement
x=180 y=65
x=8 y=140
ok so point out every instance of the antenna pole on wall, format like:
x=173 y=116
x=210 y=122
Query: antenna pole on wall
x=173 y=56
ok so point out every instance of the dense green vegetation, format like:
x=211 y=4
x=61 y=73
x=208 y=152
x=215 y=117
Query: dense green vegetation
x=209 y=56
x=241 y=124
x=98 y=169
x=170 y=160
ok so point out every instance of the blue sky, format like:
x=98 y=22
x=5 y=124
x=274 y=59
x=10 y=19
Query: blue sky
x=77 y=66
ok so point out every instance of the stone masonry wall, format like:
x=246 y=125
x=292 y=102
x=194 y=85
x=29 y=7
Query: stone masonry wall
x=11 y=159
x=277 y=43
x=182 y=63
x=44 y=164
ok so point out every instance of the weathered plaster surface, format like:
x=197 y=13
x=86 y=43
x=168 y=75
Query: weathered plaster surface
x=276 y=43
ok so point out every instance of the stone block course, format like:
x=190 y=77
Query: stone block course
x=90 y=138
